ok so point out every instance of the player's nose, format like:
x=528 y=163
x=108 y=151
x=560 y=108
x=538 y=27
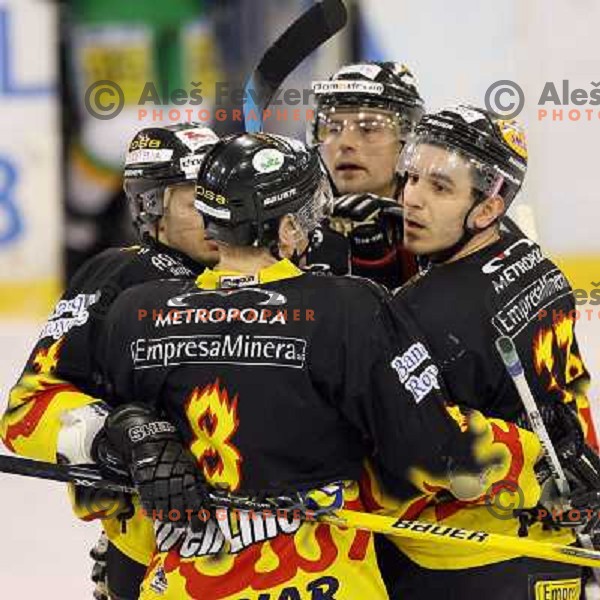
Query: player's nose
x=349 y=138
x=413 y=196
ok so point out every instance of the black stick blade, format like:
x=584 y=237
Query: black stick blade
x=312 y=29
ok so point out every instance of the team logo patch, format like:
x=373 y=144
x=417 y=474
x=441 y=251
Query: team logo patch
x=268 y=160
x=513 y=134
x=196 y=138
x=190 y=165
x=406 y=74
x=560 y=589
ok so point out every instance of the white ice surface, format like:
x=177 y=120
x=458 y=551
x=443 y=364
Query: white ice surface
x=43 y=547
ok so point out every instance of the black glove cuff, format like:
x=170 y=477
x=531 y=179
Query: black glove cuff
x=133 y=424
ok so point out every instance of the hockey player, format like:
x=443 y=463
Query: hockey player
x=262 y=379
x=463 y=169
x=363 y=115
x=55 y=407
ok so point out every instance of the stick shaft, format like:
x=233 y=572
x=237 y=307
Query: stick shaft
x=512 y=362
x=90 y=476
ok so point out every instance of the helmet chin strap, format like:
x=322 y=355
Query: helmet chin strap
x=467 y=236
x=399 y=183
x=447 y=253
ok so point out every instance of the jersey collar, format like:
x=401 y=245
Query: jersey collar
x=284 y=269
x=185 y=260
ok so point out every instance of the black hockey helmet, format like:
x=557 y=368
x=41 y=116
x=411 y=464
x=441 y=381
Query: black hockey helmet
x=248 y=181
x=495 y=148
x=388 y=86
x=159 y=157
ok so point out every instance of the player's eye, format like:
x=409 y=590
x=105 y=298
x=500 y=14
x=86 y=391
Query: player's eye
x=334 y=128
x=412 y=178
x=370 y=128
x=440 y=187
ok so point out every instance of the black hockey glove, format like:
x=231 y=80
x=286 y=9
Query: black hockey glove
x=580 y=463
x=374 y=228
x=328 y=251
x=166 y=475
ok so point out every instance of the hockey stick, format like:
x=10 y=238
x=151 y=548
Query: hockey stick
x=312 y=29
x=89 y=476
x=512 y=362
x=435 y=533
x=83 y=475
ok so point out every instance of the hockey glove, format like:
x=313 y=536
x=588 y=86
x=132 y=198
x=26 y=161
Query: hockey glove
x=374 y=228
x=580 y=463
x=328 y=251
x=79 y=428
x=166 y=475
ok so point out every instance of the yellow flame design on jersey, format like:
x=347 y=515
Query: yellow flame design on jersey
x=553 y=354
x=45 y=361
x=543 y=355
x=553 y=345
x=213 y=419
x=564 y=338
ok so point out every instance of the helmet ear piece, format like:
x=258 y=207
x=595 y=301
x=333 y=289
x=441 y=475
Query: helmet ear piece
x=145 y=205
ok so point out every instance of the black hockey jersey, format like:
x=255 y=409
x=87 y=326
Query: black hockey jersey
x=278 y=381
x=507 y=289
x=315 y=367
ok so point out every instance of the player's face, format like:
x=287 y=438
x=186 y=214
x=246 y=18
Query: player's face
x=360 y=150
x=436 y=199
x=182 y=226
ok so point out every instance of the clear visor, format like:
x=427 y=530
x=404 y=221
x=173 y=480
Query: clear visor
x=369 y=126
x=310 y=216
x=448 y=170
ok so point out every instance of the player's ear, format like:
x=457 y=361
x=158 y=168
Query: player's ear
x=488 y=212
x=290 y=235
